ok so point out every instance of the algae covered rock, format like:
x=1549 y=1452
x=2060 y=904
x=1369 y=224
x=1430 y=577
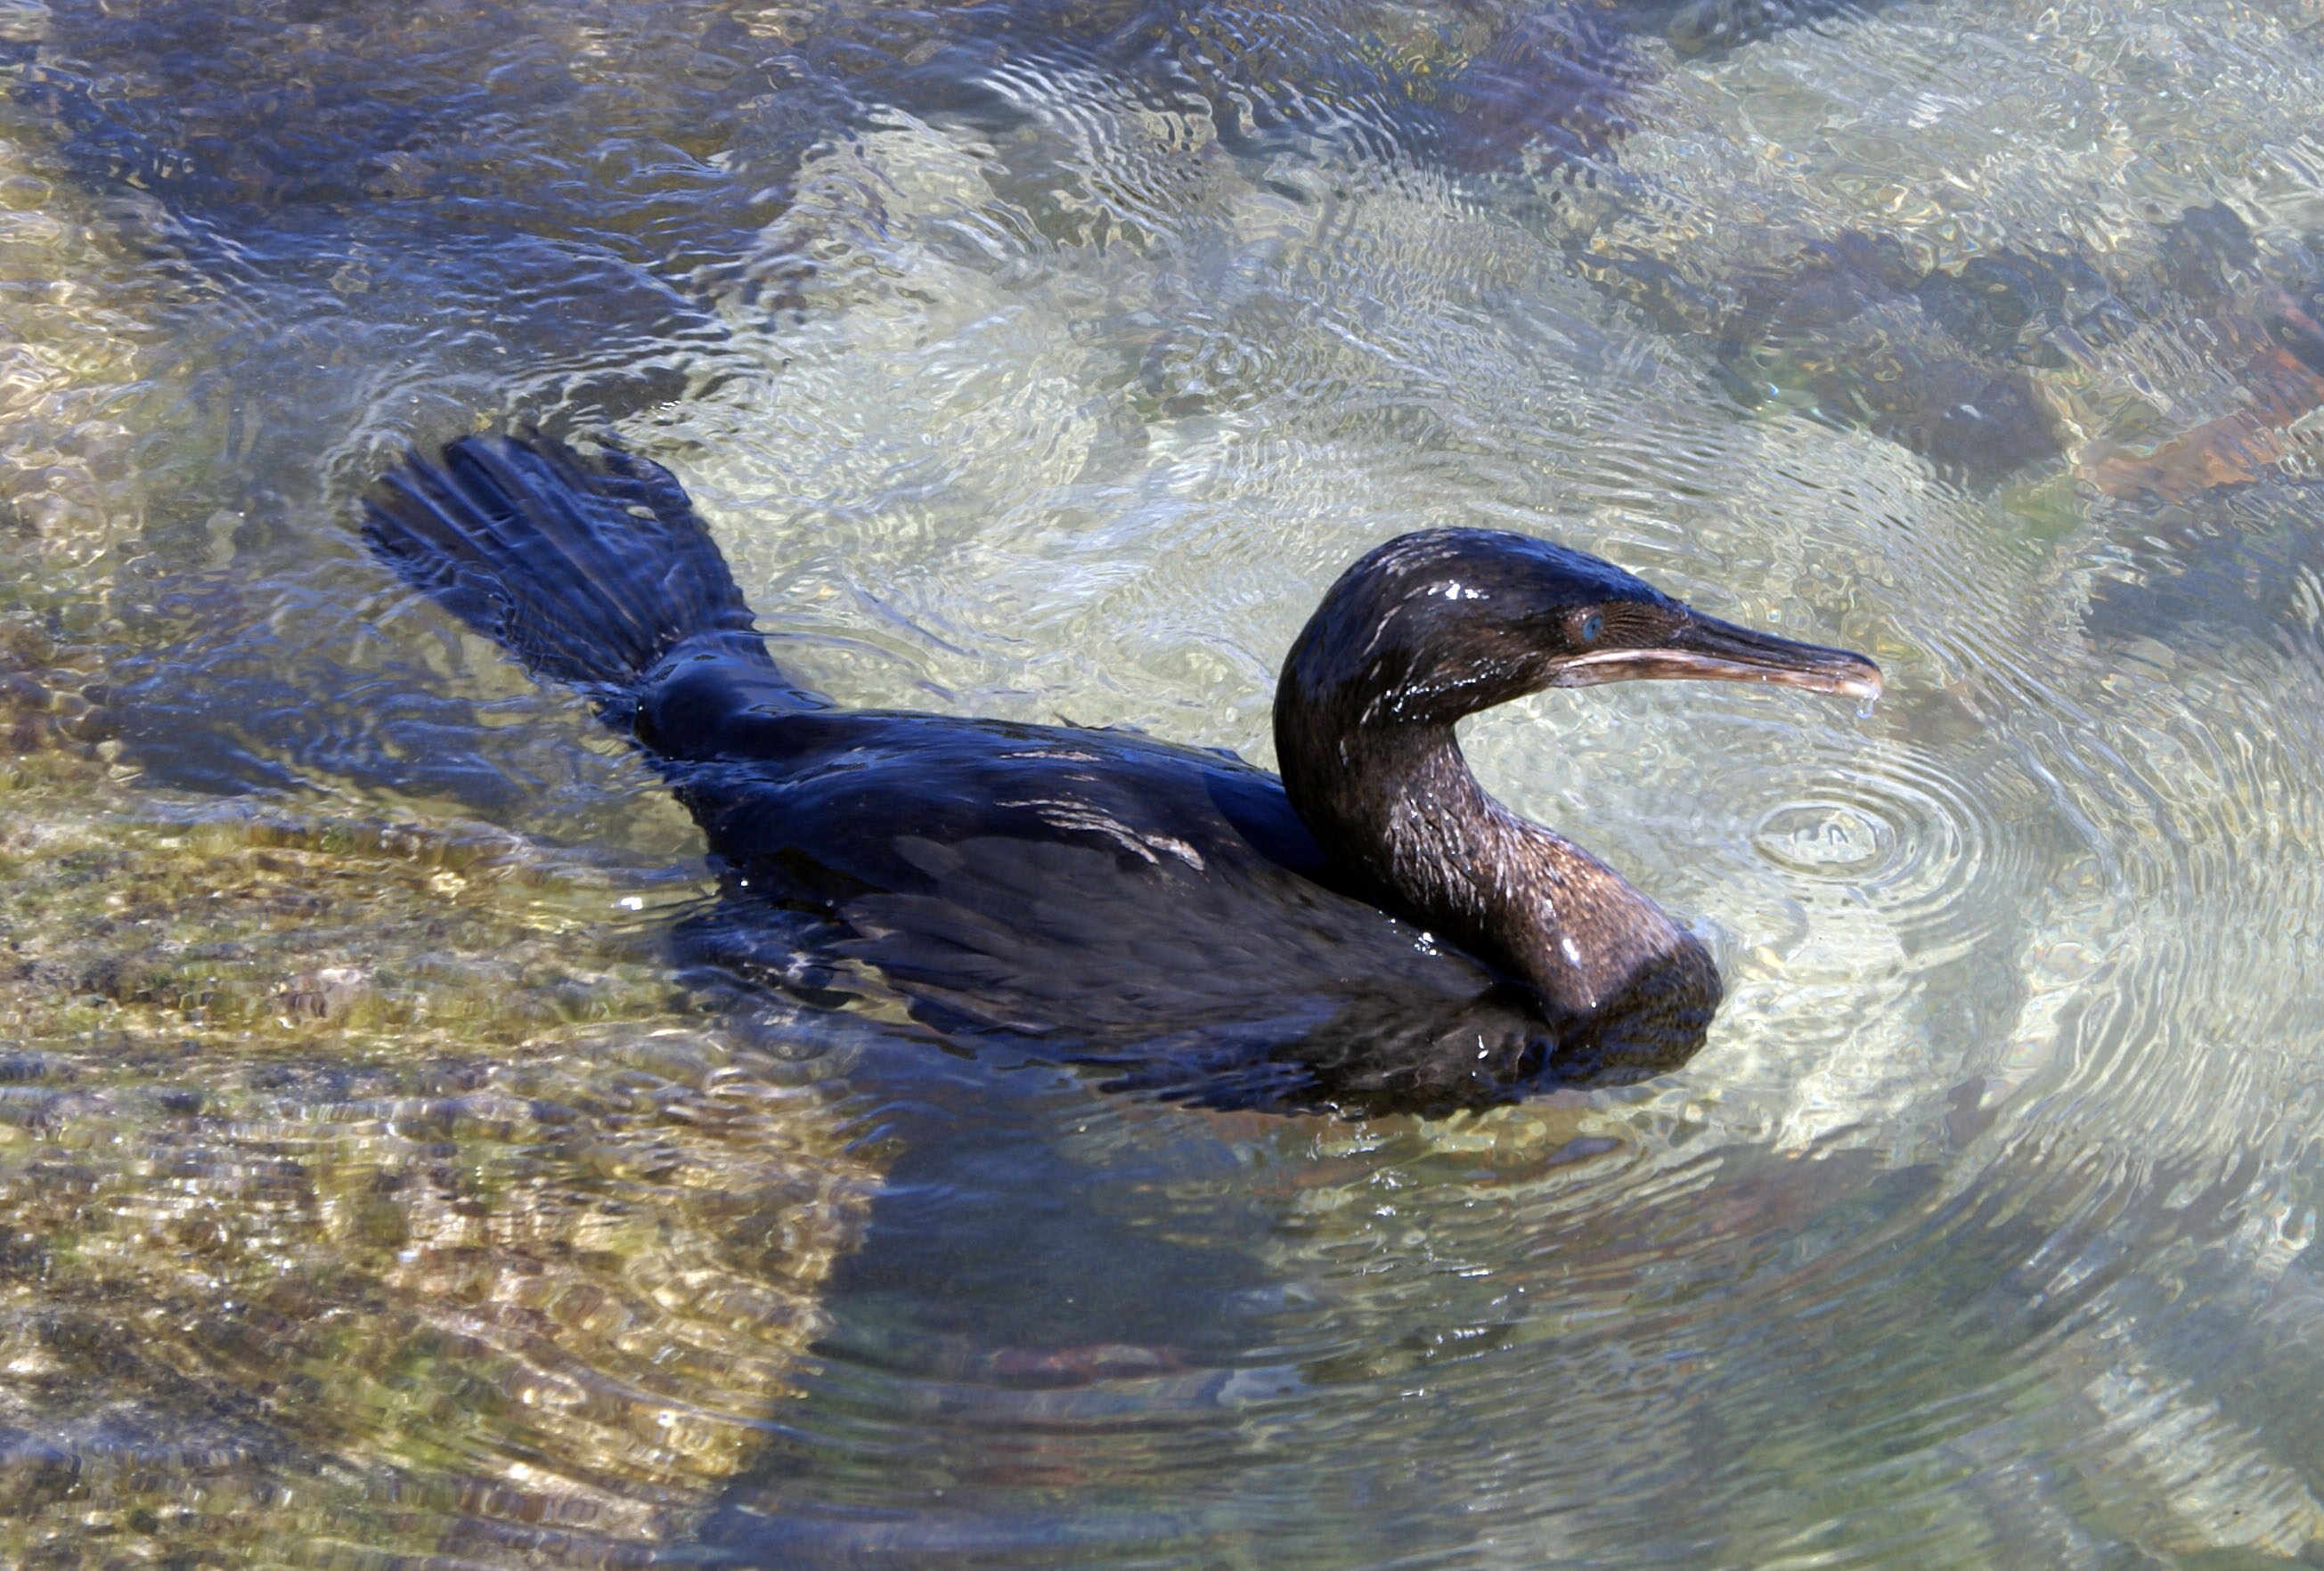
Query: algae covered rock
x=369 y=1190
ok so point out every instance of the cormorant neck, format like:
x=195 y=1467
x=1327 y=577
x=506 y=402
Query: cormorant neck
x=1395 y=801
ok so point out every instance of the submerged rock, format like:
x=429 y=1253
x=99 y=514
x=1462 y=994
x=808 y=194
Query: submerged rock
x=2239 y=560
x=471 y=1238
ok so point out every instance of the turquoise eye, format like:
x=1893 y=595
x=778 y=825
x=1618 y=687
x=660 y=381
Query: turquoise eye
x=1591 y=626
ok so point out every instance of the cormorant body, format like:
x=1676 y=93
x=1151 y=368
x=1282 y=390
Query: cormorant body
x=1383 y=934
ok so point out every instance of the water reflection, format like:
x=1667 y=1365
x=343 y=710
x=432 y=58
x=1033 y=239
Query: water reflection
x=1043 y=361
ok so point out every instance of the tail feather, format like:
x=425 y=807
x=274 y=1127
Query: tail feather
x=590 y=571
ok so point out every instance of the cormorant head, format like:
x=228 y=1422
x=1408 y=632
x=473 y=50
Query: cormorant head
x=1440 y=624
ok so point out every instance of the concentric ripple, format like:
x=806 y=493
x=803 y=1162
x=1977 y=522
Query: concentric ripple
x=1827 y=838
x=1918 y=841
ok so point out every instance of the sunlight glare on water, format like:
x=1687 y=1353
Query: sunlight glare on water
x=376 y=1187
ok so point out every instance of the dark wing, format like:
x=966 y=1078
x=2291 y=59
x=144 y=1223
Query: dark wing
x=1103 y=898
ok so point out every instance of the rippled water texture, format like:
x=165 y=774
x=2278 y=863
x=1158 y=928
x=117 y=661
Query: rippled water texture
x=376 y=1191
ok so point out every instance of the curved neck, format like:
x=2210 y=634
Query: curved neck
x=1395 y=801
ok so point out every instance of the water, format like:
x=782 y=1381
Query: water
x=373 y=1190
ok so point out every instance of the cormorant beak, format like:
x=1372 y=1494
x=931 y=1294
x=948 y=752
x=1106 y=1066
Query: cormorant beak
x=1708 y=649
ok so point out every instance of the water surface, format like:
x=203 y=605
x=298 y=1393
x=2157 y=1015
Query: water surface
x=377 y=1189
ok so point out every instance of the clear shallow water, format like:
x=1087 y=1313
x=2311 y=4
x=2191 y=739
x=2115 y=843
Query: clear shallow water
x=376 y=1191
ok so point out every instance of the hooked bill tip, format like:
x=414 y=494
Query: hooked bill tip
x=1868 y=687
x=1861 y=681
x=1867 y=693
